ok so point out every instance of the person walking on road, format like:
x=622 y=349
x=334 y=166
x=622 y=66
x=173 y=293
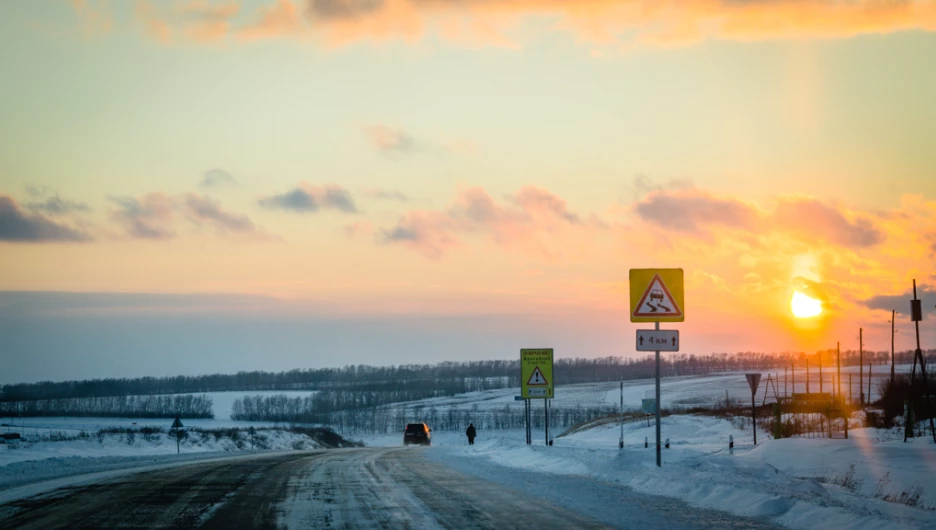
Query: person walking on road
x=471 y=433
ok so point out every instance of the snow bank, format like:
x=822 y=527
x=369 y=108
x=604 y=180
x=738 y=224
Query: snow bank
x=799 y=483
x=122 y=445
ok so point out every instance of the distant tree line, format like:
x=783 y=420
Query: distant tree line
x=184 y=406
x=379 y=420
x=416 y=381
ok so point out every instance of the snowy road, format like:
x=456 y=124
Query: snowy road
x=351 y=488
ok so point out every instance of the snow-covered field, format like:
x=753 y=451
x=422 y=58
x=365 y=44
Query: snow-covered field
x=675 y=391
x=867 y=481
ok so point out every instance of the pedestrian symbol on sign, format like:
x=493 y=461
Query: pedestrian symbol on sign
x=536 y=378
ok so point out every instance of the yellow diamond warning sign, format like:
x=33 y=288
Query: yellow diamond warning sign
x=657 y=295
x=536 y=373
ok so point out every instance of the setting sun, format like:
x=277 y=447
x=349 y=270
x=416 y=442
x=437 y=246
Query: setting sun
x=804 y=306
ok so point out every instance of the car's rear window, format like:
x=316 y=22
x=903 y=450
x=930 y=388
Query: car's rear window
x=415 y=427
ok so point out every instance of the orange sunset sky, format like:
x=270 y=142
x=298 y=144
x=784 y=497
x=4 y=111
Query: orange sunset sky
x=196 y=186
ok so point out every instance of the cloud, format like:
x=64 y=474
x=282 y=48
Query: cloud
x=358 y=229
x=96 y=17
x=693 y=211
x=388 y=139
x=310 y=199
x=149 y=217
x=901 y=302
x=194 y=20
x=55 y=205
x=537 y=199
x=690 y=210
x=622 y=24
x=280 y=19
x=527 y=222
x=344 y=9
x=217 y=178
x=378 y=193
x=811 y=218
x=17 y=226
x=153 y=216
x=204 y=210
x=431 y=234
x=644 y=185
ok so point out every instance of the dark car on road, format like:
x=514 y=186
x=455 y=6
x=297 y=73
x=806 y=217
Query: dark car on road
x=417 y=433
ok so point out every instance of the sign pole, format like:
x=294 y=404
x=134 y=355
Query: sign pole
x=658 y=454
x=753 y=417
x=621 y=443
x=753 y=381
x=546 y=410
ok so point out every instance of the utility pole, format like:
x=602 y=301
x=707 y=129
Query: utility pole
x=838 y=364
x=860 y=367
x=893 y=318
x=792 y=379
x=916 y=314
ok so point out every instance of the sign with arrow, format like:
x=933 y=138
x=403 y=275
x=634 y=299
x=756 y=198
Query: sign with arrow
x=657 y=340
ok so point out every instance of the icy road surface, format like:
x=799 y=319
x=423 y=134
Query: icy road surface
x=351 y=488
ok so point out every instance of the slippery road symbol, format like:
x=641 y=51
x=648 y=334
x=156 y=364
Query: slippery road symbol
x=657 y=301
x=657 y=307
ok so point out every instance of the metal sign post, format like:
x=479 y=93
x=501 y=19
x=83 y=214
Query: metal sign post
x=658 y=454
x=753 y=381
x=656 y=296
x=621 y=442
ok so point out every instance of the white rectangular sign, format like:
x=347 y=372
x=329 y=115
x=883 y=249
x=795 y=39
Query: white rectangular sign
x=657 y=340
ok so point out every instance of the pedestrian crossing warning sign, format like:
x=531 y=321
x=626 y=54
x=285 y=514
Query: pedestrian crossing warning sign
x=536 y=378
x=656 y=295
x=536 y=373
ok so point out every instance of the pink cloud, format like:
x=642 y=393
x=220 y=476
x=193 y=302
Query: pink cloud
x=525 y=223
x=149 y=217
x=280 y=19
x=692 y=211
x=192 y=20
x=96 y=17
x=620 y=23
x=389 y=139
x=810 y=218
x=153 y=216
